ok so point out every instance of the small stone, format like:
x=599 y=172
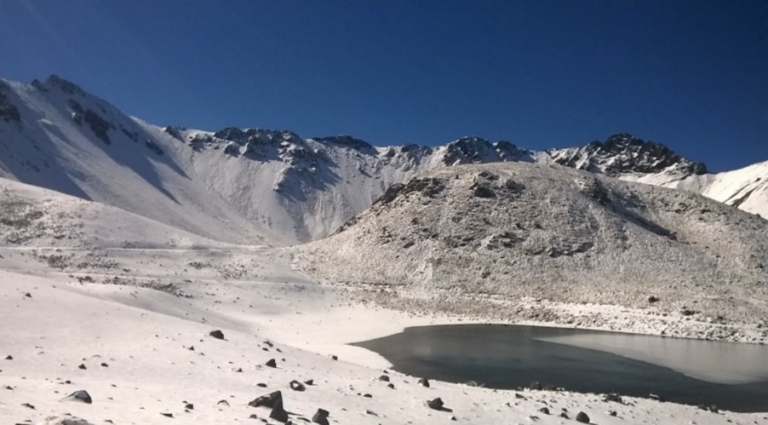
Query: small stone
x=81 y=396
x=310 y=382
x=167 y=415
x=271 y=363
x=217 y=334
x=582 y=417
x=424 y=382
x=82 y=367
x=222 y=403
x=320 y=417
x=436 y=404
x=384 y=378
x=189 y=406
x=544 y=410
x=297 y=386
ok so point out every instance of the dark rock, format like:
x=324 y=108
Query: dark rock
x=262 y=385
x=238 y=370
x=613 y=398
x=384 y=378
x=320 y=417
x=9 y=357
x=483 y=190
x=424 y=382
x=391 y=385
x=189 y=406
x=271 y=363
x=82 y=367
x=297 y=386
x=653 y=299
x=217 y=334
x=104 y=365
x=582 y=417
x=29 y=406
x=544 y=410
x=253 y=416
x=310 y=382
x=367 y=395
x=612 y=413
x=687 y=312
x=167 y=415
x=278 y=413
x=564 y=415
x=436 y=404
x=269 y=400
x=98 y=125
x=81 y=396
x=151 y=145
x=333 y=357
x=222 y=403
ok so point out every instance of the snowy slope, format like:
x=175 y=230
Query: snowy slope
x=69 y=141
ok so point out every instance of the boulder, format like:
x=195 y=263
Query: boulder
x=320 y=417
x=436 y=404
x=271 y=363
x=582 y=417
x=424 y=382
x=278 y=413
x=297 y=386
x=269 y=400
x=217 y=334
x=81 y=396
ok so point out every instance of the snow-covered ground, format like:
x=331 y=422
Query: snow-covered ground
x=80 y=288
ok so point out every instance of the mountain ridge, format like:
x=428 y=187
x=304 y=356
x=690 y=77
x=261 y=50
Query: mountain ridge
x=255 y=185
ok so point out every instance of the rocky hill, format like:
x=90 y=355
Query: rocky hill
x=544 y=231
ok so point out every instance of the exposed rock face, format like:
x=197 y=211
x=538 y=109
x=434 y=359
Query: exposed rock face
x=8 y=112
x=625 y=154
x=520 y=230
x=99 y=125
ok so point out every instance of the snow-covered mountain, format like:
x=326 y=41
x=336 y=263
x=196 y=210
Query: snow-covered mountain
x=259 y=186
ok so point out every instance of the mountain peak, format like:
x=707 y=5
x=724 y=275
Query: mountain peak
x=623 y=153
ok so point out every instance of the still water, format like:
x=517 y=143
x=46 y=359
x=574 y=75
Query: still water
x=729 y=375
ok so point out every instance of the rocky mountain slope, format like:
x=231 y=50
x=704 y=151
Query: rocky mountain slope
x=526 y=230
x=259 y=186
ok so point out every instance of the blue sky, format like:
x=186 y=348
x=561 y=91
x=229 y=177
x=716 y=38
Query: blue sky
x=692 y=74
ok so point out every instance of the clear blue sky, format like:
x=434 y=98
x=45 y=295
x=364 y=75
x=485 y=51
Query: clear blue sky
x=692 y=74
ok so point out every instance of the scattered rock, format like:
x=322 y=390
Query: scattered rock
x=613 y=398
x=9 y=357
x=424 y=382
x=269 y=400
x=82 y=367
x=104 y=365
x=582 y=417
x=320 y=417
x=29 y=406
x=278 y=413
x=310 y=382
x=271 y=363
x=653 y=299
x=167 y=415
x=217 y=334
x=544 y=410
x=81 y=396
x=612 y=413
x=384 y=378
x=436 y=404
x=333 y=357
x=189 y=406
x=391 y=385
x=222 y=403
x=297 y=386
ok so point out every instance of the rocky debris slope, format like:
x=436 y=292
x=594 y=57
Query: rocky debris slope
x=520 y=230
